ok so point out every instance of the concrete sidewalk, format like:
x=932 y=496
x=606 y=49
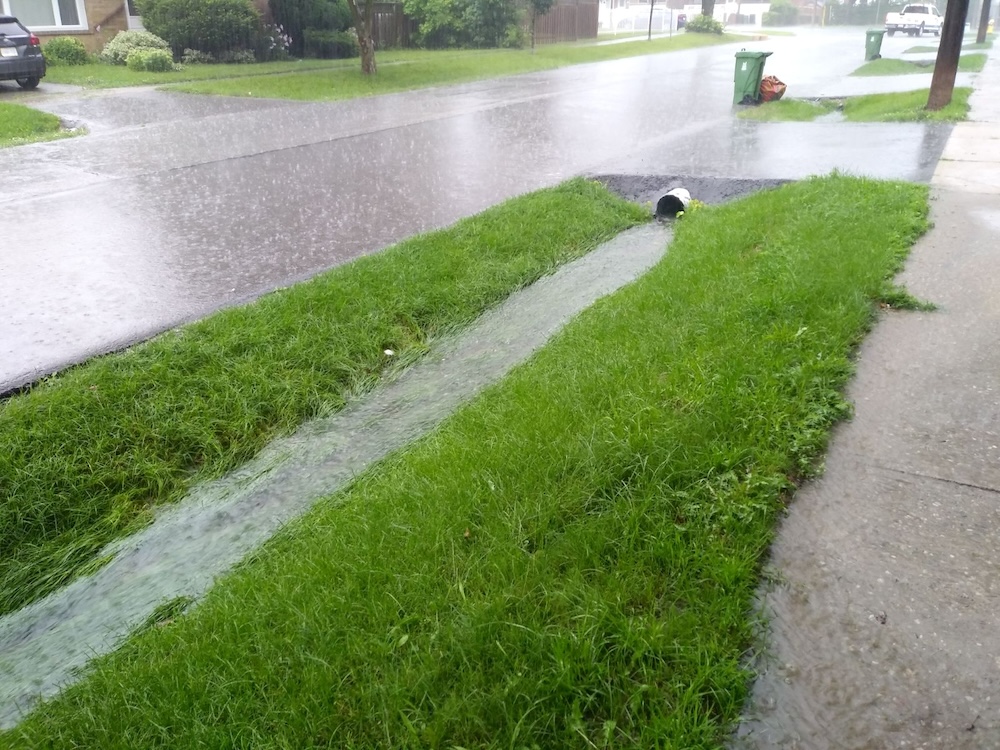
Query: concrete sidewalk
x=884 y=611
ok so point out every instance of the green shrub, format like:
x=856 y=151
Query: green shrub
x=117 y=50
x=212 y=26
x=197 y=57
x=782 y=13
x=330 y=45
x=702 y=24
x=65 y=50
x=489 y=22
x=150 y=60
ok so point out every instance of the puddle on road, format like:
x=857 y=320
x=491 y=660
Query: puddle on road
x=189 y=545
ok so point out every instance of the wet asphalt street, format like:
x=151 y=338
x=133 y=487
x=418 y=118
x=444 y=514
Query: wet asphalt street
x=176 y=205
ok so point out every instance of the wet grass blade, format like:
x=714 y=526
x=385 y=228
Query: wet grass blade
x=86 y=456
x=570 y=561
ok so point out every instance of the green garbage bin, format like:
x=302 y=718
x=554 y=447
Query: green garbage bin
x=749 y=71
x=873 y=44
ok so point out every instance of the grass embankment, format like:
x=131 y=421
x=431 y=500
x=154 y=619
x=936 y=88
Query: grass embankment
x=20 y=124
x=84 y=456
x=422 y=69
x=892 y=67
x=900 y=107
x=570 y=561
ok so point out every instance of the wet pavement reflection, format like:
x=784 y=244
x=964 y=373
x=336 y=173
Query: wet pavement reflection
x=177 y=205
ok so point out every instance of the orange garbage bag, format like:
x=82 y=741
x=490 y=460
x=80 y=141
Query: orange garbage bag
x=771 y=89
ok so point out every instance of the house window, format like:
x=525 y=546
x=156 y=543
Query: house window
x=48 y=15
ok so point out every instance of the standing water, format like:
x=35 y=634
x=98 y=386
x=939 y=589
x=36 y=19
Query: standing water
x=43 y=646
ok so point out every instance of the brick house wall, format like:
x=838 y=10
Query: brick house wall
x=105 y=18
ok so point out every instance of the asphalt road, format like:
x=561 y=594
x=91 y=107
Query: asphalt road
x=176 y=205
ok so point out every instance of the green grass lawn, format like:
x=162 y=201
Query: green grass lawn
x=20 y=124
x=891 y=67
x=568 y=562
x=420 y=69
x=87 y=454
x=906 y=107
x=399 y=70
x=787 y=110
x=100 y=75
x=969 y=43
x=898 y=107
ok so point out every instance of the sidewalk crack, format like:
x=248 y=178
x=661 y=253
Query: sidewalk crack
x=921 y=475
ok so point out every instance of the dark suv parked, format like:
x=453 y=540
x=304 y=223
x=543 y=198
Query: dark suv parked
x=21 y=56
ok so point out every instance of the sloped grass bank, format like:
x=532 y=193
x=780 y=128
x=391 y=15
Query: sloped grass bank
x=85 y=456
x=569 y=561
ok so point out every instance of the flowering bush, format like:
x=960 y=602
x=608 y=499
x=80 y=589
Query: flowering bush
x=117 y=50
x=273 y=43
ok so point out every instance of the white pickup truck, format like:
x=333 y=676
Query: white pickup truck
x=915 y=20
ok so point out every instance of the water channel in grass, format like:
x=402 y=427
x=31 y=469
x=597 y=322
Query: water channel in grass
x=177 y=558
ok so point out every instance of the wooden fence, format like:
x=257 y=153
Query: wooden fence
x=568 y=21
x=391 y=27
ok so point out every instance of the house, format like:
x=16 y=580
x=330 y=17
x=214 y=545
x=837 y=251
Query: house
x=93 y=22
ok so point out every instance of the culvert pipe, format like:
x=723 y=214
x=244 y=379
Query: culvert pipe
x=672 y=203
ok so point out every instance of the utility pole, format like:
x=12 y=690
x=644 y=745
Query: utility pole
x=984 y=22
x=946 y=66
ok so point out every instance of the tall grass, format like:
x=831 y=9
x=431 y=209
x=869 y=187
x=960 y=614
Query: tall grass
x=85 y=456
x=570 y=561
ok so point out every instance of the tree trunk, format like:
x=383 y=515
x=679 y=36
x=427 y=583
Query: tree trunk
x=649 y=30
x=946 y=67
x=707 y=7
x=367 y=47
x=984 y=22
x=534 y=15
x=363 y=28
